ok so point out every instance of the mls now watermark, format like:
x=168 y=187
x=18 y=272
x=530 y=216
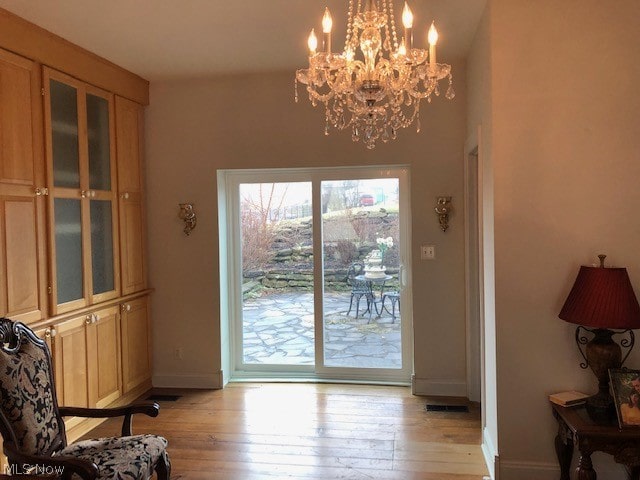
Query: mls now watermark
x=33 y=469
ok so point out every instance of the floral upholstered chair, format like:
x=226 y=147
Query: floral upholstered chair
x=33 y=430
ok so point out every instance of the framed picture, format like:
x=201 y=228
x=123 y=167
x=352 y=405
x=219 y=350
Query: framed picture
x=625 y=386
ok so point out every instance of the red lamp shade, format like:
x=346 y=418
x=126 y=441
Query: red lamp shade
x=602 y=298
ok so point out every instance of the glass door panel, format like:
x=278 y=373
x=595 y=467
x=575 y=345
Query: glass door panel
x=64 y=135
x=99 y=143
x=68 y=241
x=361 y=297
x=102 y=246
x=277 y=274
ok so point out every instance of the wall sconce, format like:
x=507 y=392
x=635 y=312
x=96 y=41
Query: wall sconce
x=188 y=215
x=443 y=209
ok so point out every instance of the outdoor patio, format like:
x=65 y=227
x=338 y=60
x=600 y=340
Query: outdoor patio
x=278 y=329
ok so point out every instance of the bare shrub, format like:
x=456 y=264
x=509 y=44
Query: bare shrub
x=347 y=252
x=257 y=237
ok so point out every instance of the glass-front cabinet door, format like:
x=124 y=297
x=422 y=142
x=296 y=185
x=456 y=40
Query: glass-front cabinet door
x=81 y=167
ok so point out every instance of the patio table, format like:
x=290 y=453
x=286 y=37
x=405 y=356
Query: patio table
x=375 y=282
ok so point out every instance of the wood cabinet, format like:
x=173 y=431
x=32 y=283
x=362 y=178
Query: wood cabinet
x=83 y=220
x=72 y=220
x=71 y=361
x=136 y=344
x=129 y=135
x=103 y=342
x=23 y=291
x=86 y=351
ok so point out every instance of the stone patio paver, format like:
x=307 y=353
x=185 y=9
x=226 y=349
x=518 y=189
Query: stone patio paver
x=278 y=329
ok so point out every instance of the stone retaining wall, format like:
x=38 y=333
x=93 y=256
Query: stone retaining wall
x=256 y=282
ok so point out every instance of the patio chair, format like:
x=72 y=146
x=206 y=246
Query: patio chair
x=33 y=429
x=394 y=298
x=360 y=288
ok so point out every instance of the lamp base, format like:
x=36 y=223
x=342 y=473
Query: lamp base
x=600 y=408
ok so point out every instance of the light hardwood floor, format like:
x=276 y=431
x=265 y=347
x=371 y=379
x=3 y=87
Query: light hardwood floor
x=251 y=431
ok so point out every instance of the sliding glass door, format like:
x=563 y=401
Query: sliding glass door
x=320 y=287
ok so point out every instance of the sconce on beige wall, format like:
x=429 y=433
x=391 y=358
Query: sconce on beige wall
x=443 y=209
x=188 y=215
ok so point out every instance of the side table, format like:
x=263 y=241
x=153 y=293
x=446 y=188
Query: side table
x=575 y=428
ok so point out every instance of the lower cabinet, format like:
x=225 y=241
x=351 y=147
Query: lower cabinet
x=136 y=344
x=103 y=348
x=71 y=361
x=101 y=355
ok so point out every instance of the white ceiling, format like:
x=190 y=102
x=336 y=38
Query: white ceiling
x=162 y=39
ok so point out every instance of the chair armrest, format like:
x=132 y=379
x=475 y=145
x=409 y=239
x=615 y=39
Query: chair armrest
x=63 y=466
x=150 y=409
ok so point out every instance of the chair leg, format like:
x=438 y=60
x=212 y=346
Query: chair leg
x=163 y=468
x=350 y=305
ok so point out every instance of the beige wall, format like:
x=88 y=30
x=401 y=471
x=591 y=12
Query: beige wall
x=196 y=127
x=566 y=117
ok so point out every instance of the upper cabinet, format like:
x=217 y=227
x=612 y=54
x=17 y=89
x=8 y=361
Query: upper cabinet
x=23 y=290
x=129 y=140
x=81 y=169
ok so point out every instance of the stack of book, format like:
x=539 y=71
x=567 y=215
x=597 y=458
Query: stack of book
x=569 y=399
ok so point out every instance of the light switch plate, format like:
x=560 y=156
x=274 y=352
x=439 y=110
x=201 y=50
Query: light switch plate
x=428 y=252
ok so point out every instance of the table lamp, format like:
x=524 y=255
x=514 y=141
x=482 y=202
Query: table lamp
x=602 y=299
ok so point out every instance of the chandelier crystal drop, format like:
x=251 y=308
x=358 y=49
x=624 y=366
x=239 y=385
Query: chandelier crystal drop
x=376 y=84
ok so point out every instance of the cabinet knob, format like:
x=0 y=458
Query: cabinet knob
x=53 y=331
x=88 y=320
x=47 y=333
x=125 y=195
x=84 y=193
x=95 y=318
x=126 y=307
x=41 y=192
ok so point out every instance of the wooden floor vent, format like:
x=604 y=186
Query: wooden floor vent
x=164 y=398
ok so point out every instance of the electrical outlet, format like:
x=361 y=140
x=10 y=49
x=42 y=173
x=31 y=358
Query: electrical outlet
x=428 y=252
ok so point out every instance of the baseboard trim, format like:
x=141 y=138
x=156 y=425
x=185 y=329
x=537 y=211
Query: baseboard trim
x=212 y=381
x=439 y=387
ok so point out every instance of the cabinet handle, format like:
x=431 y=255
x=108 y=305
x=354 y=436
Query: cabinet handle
x=88 y=320
x=41 y=192
x=125 y=195
x=92 y=193
x=53 y=332
x=126 y=307
x=84 y=193
x=47 y=333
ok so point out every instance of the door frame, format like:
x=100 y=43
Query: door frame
x=474 y=268
x=230 y=281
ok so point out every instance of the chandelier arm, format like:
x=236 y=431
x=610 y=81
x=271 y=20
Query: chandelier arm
x=320 y=97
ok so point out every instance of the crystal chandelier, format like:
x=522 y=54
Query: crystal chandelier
x=377 y=91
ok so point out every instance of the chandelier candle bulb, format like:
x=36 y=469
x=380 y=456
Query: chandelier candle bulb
x=312 y=42
x=407 y=21
x=327 y=24
x=433 y=39
x=402 y=49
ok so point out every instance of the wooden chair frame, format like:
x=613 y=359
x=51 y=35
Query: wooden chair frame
x=12 y=335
